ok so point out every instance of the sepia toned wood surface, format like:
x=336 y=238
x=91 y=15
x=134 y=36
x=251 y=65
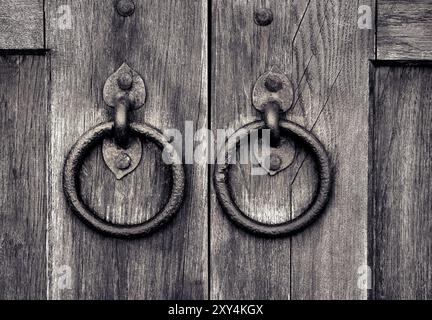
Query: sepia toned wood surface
x=164 y=42
x=372 y=118
x=332 y=71
x=319 y=46
x=404 y=30
x=23 y=173
x=242 y=265
x=22 y=25
x=399 y=224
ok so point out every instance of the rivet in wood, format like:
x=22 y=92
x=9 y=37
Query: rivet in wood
x=125 y=8
x=273 y=84
x=263 y=17
x=123 y=161
x=125 y=81
x=275 y=162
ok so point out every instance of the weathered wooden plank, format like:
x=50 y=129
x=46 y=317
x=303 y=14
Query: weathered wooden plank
x=164 y=41
x=404 y=30
x=331 y=72
x=328 y=64
x=245 y=266
x=23 y=205
x=21 y=24
x=401 y=143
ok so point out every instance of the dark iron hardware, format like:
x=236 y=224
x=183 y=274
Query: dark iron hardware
x=124 y=91
x=272 y=96
x=125 y=8
x=122 y=149
x=263 y=17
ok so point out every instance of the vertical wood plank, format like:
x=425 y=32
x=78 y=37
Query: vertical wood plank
x=401 y=171
x=330 y=57
x=164 y=42
x=244 y=266
x=22 y=25
x=319 y=45
x=23 y=205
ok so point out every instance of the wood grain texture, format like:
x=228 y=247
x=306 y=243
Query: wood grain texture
x=21 y=24
x=164 y=41
x=23 y=205
x=244 y=266
x=319 y=46
x=401 y=142
x=331 y=60
x=404 y=30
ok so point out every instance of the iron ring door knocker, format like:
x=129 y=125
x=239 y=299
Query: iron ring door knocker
x=123 y=90
x=271 y=96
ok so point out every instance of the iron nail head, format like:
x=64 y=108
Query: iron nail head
x=263 y=17
x=123 y=161
x=125 y=8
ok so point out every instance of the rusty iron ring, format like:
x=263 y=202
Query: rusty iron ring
x=320 y=199
x=72 y=168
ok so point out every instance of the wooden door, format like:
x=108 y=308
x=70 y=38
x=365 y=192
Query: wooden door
x=361 y=82
x=49 y=101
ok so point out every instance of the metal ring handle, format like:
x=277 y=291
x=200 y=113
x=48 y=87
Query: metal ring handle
x=319 y=202
x=72 y=169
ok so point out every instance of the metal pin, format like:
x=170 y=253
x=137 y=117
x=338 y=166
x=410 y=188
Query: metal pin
x=125 y=8
x=123 y=161
x=125 y=81
x=263 y=17
x=275 y=162
x=273 y=84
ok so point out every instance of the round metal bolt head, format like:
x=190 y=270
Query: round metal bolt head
x=125 y=8
x=263 y=17
x=275 y=162
x=125 y=81
x=123 y=161
x=273 y=84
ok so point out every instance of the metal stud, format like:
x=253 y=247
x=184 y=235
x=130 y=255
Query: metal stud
x=125 y=8
x=125 y=81
x=273 y=84
x=123 y=161
x=263 y=17
x=275 y=162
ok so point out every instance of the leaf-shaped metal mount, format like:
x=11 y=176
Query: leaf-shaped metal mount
x=273 y=86
x=281 y=157
x=113 y=90
x=122 y=161
x=125 y=84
